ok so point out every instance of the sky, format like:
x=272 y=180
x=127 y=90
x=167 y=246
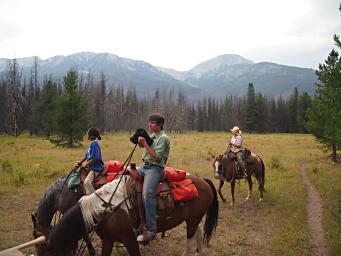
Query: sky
x=177 y=34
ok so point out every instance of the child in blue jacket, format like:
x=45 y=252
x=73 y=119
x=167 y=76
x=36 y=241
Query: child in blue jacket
x=94 y=160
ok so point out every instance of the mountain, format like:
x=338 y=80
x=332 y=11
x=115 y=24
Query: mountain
x=231 y=74
x=118 y=71
x=220 y=76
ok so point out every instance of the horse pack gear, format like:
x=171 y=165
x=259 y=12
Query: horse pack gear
x=167 y=193
x=74 y=180
x=141 y=133
x=112 y=169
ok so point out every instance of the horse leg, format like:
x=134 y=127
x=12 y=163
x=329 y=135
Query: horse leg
x=89 y=245
x=221 y=184
x=260 y=187
x=107 y=246
x=249 y=181
x=233 y=183
x=131 y=245
x=192 y=227
x=198 y=238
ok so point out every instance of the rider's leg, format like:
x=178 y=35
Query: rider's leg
x=89 y=188
x=240 y=159
x=152 y=178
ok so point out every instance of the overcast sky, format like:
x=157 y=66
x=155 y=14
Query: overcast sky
x=177 y=34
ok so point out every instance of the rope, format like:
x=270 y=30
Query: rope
x=125 y=164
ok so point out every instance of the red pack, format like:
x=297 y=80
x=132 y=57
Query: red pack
x=184 y=190
x=173 y=174
x=114 y=168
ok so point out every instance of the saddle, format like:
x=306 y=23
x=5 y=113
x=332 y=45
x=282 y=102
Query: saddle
x=233 y=157
x=111 y=170
x=164 y=199
x=175 y=190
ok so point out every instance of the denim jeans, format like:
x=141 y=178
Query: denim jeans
x=152 y=177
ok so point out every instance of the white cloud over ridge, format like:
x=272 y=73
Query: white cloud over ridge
x=175 y=34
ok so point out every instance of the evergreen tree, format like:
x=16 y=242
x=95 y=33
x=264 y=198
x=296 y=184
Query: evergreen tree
x=250 y=110
x=260 y=113
x=44 y=110
x=304 y=102
x=325 y=112
x=293 y=111
x=226 y=114
x=71 y=120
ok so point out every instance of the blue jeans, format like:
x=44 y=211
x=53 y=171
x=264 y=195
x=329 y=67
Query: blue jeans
x=152 y=177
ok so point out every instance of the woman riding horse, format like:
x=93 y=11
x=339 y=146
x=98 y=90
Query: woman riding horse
x=225 y=167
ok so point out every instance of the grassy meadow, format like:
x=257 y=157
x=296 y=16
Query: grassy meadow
x=276 y=226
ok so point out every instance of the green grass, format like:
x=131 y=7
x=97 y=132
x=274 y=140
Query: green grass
x=276 y=226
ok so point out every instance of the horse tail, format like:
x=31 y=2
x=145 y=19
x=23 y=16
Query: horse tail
x=263 y=174
x=211 y=215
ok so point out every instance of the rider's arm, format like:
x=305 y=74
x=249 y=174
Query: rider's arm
x=238 y=142
x=143 y=143
x=81 y=161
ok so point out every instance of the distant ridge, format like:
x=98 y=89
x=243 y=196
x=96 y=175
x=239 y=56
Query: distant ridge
x=230 y=74
x=219 y=76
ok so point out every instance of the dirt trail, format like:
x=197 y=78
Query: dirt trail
x=318 y=242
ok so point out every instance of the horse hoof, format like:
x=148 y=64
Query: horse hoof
x=232 y=204
x=247 y=199
x=260 y=200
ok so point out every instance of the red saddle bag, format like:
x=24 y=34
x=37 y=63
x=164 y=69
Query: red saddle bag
x=173 y=174
x=114 y=169
x=184 y=190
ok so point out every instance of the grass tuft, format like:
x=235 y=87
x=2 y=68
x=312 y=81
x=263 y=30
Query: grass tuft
x=275 y=162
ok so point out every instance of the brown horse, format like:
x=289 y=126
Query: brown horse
x=228 y=162
x=120 y=223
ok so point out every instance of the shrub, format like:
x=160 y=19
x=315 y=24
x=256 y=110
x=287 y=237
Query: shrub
x=18 y=178
x=275 y=162
x=6 y=166
x=316 y=170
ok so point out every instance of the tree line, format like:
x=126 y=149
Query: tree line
x=63 y=110
x=82 y=102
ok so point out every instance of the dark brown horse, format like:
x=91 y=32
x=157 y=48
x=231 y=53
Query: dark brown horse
x=119 y=225
x=228 y=163
x=57 y=199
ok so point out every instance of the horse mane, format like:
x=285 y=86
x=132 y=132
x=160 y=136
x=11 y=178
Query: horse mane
x=48 y=204
x=94 y=205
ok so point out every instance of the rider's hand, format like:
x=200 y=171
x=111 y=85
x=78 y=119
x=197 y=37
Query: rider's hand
x=77 y=164
x=142 y=141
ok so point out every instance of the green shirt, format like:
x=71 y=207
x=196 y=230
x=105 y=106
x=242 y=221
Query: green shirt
x=161 y=146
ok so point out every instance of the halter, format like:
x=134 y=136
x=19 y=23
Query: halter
x=108 y=204
x=221 y=166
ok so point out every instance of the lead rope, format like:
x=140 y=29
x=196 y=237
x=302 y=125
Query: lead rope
x=126 y=164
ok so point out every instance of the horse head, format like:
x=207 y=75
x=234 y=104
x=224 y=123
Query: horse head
x=225 y=164
x=44 y=248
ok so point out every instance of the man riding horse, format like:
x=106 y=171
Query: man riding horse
x=236 y=146
x=154 y=157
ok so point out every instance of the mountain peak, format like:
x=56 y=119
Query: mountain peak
x=219 y=62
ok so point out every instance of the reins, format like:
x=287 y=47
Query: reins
x=108 y=204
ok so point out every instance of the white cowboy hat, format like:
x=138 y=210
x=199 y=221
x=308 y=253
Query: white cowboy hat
x=235 y=130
